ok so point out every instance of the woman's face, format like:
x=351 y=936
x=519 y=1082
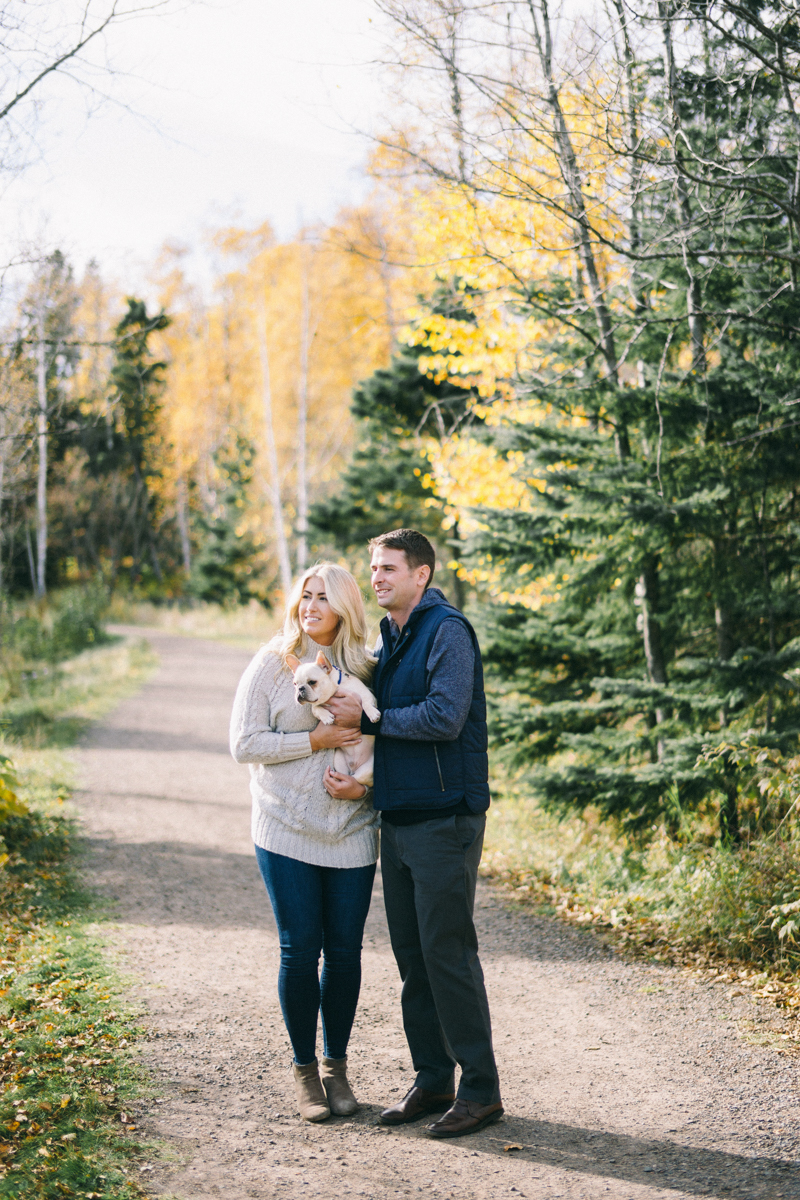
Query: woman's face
x=317 y=618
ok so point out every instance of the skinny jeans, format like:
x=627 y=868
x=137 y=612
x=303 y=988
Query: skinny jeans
x=318 y=910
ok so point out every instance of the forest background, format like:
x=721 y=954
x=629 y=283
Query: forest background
x=561 y=337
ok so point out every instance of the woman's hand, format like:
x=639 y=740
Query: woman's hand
x=343 y=787
x=330 y=737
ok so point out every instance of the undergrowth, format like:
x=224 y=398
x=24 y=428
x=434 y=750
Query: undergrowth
x=690 y=901
x=49 y=704
x=66 y=1074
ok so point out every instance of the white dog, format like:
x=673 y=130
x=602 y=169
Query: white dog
x=315 y=683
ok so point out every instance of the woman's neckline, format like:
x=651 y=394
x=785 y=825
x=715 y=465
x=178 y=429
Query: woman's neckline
x=318 y=645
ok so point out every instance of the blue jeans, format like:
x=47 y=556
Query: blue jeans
x=318 y=910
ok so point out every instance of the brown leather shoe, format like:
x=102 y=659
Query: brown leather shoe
x=415 y=1104
x=465 y=1117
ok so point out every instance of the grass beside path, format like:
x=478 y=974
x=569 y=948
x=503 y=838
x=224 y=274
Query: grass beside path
x=726 y=913
x=247 y=627
x=68 y=1073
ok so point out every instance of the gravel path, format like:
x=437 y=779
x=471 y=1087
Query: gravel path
x=620 y=1080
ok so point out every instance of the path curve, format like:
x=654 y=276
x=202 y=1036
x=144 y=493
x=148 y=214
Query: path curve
x=620 y=1081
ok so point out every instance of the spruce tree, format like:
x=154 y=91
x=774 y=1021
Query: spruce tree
x=665 y=622
x=398 y=411
x=224 y=568
x=137 y=386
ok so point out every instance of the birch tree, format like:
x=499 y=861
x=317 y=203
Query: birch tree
x=49 y=309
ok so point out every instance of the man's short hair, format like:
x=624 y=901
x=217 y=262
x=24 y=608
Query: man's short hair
x=416 y=547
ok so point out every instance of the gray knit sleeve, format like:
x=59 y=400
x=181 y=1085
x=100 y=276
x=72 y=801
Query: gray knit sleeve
x=253 y=736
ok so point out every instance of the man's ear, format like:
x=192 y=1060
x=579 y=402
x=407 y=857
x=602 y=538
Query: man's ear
x=426 y=577
x=292 y=662
x=323 y=662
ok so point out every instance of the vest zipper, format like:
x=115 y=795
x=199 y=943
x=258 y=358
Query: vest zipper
x=394 y=672
x=438 y=765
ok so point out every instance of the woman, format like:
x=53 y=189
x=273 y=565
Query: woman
x=315 y=831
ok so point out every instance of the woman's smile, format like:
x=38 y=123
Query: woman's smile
x=317 y=618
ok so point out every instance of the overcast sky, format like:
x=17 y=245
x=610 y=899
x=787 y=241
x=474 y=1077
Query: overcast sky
x=240 y=113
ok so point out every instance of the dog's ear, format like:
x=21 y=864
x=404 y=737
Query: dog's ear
x=323 y=662
x=292 y=662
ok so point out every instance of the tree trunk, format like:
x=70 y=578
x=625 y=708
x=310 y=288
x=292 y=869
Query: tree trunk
x=2 y=482
x=694 y=295
x=722 y=620
x=302 y=427
x=183 y=525
x=41 y=482
x=632 y=138
x=571 y=174
x=29 y=548
x=459 y=591
x=647 y=591
x=281 y=545
x=729 y=831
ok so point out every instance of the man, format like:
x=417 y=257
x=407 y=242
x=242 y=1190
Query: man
x=431 y=787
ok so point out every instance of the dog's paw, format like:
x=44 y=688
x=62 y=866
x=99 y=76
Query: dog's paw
x=325 y=715
x=373 y=714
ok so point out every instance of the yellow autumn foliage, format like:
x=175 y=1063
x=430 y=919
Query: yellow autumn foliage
x=494 y=242
x=321 y=309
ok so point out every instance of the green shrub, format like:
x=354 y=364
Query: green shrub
x=34 y=639
x=735 y=899
x=670 y=898
x=68 y=623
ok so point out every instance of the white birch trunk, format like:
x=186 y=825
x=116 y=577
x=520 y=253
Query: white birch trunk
x=302 y=426
x=3 y=424
x=41 y=483
x=281 y=544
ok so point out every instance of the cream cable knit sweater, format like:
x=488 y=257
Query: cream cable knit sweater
x=292 y=813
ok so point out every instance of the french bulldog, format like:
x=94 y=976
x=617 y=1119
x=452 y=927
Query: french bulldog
x=314 y=684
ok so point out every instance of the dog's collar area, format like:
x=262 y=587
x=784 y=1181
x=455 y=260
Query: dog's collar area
x=339 y=680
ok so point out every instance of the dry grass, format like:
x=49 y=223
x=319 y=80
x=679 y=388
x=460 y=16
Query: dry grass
x=247 y=627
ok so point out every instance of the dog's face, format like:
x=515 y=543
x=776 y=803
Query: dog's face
x=313 y=682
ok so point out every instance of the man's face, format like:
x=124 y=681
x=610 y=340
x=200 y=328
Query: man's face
x=396 y=585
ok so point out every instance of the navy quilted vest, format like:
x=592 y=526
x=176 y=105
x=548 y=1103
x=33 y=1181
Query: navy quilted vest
x=415 y=775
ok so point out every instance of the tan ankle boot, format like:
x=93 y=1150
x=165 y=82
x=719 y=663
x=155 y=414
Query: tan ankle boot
x=334 y=1079
x=311 y=1099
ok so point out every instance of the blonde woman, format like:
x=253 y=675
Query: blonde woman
x=315 y=831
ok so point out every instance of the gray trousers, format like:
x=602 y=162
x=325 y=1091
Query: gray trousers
x=429 y=875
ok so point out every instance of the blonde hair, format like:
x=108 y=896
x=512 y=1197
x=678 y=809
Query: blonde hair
x=348 y=650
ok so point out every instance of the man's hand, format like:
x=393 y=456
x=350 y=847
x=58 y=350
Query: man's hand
x=342 y=787
x=346 y=709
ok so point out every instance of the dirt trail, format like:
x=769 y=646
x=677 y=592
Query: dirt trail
x=620 y=1081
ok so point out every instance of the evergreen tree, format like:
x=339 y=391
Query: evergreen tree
x=665 y=619
x=224 y=566
x=397 y=411
x=138 y=384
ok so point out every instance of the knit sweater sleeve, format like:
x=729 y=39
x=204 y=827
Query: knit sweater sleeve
x=254 y=739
